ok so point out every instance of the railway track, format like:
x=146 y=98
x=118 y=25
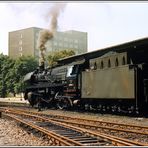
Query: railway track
x=143 y=130
x=63 y=134
x=133 y=135
x=138 y=134
x=127 y=131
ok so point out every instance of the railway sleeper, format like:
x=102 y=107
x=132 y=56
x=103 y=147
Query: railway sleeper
x=63 y=132
x=97 y=144
x=58 y=130
x=85 y=138
x=66 y=134
x=77 y=136
x=88 y=141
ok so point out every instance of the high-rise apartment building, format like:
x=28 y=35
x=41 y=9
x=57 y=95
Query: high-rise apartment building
x=24 y=42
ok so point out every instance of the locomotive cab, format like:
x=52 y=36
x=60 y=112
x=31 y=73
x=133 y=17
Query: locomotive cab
x=71 y=95
x=72 y=80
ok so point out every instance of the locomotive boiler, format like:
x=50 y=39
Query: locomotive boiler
x=113 y=79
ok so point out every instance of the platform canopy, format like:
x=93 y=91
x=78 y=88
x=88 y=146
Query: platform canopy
x=128 y=46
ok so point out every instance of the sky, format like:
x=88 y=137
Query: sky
x=107 y=23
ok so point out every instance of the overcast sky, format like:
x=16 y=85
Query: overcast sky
x=107 y=23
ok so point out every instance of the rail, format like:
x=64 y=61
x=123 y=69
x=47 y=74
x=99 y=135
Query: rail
x=71 y=134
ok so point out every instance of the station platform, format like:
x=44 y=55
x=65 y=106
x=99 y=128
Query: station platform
x=14 y=99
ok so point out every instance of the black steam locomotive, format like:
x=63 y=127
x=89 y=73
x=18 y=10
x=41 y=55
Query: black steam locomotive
x=113 y=79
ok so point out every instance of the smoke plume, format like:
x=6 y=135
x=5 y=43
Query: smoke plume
x=46 y=34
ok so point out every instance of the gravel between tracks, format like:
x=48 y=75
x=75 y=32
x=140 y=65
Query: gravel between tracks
x=12 y=135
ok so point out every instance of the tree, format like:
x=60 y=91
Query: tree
x=22 y=66
x=53 y=57
x=12 y=73
x=6 y=66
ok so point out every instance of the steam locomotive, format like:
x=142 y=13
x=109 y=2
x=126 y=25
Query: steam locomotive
x=113 y=79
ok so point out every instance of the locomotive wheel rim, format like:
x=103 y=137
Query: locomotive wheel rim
x=61 y=104
x=64 y=103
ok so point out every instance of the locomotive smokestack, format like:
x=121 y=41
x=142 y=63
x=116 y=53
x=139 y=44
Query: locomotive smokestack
x=46 y=34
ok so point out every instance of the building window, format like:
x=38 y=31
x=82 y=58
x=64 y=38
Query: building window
x=109 y=64
x=60 y=44
x=21 y=36
x=102 y=65
x=60 y=38
x=70 y=40
x=20 y=42
x=116 y=63
x=123 y=61
x=76 y=41
x=65 y=45
x=20 y=49
x=65 y=39
x=71 y=45
x=95 y=66
x=21 y=54
x=55 y=43
x=37 y=34
x=75 y=46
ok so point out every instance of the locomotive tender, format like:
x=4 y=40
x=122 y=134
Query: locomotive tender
x=113 y=79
